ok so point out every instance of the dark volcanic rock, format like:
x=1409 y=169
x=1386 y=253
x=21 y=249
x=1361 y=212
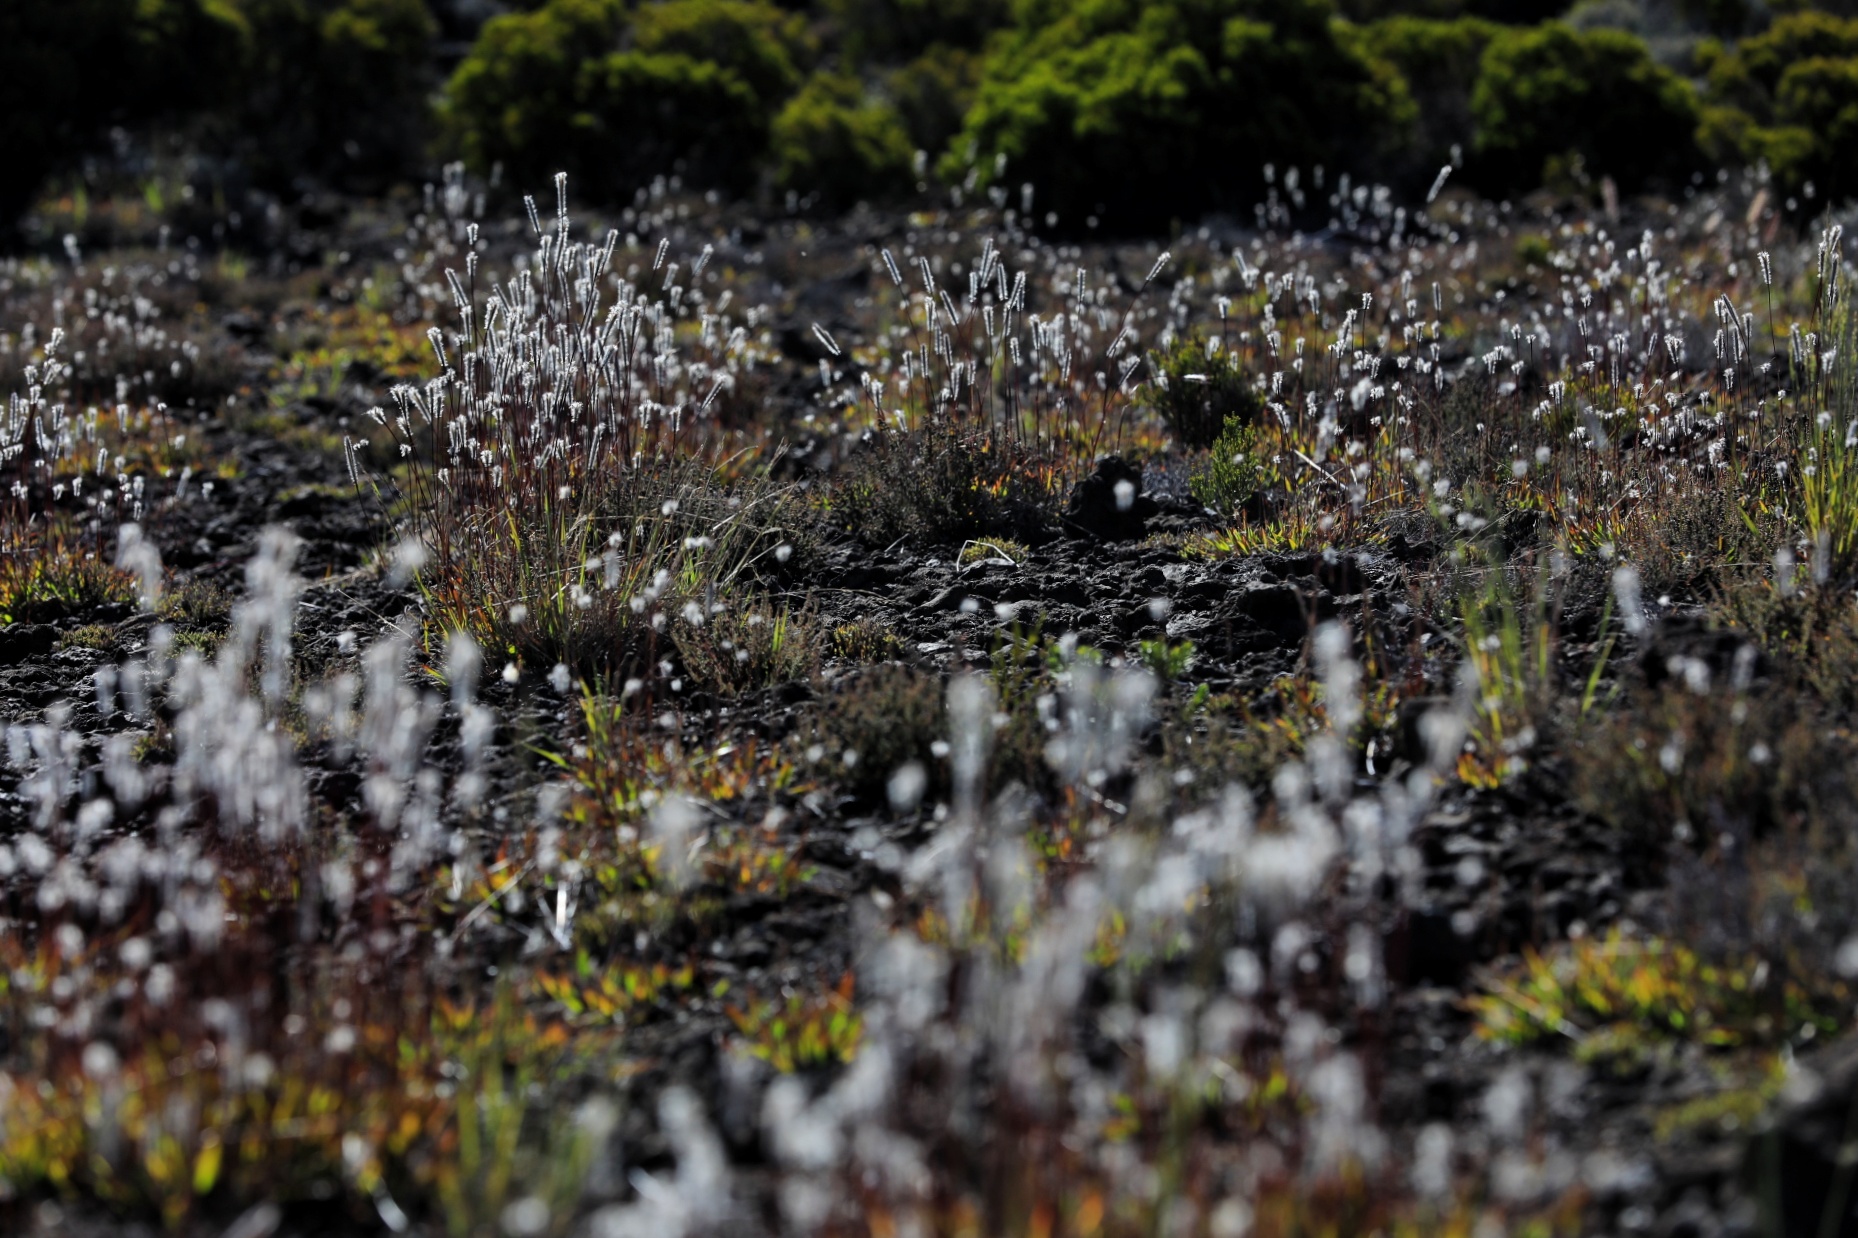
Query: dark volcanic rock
x=1687 y=648
x=1805 y=1158
x=20 y=641
x=1109 y=504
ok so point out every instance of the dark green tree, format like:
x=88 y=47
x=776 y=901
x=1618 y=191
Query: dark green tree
x=331 y=91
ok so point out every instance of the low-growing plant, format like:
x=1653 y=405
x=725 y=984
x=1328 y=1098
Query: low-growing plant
x=623 y=773
x=1003 y=550
x=599 y=579
x=1828 y=450
x=1202 y=391
x=614 y=993
x=762 y=860
x=887 y=716
x=504 y=1147
x=1245 y=738
x=205 y=644
x=1227 y=742
x=1236 y=470
x=1741 y=1106
x=1510 y=659
x=1618 y=992
x=732 y=652
x=1058 y=709
x=1704 y=762
x=584 y=553
x=341 y=344
x=101 y=637
x=1169 y=661
x=803 y=1031
x=944 y=484
x=864 y=641
x=1810 y=633
x=45 y=576
x=196 y=604
x=1295 y=530
x=432 y=1099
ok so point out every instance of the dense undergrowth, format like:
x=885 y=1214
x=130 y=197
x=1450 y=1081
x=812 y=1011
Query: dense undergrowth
x=621 y=811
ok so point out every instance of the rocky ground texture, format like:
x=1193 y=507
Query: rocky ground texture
x=817 y=876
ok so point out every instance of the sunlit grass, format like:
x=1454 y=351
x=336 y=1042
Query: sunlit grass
x=1618 y=994
x=49 y=575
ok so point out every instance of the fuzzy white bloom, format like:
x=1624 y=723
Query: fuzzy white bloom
x=1626 y=594
x=137 y=555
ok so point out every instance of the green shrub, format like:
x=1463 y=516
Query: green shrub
x=756 y=42
x=1438 y=60
x=893 y=30
x=520 y=97
x=1200 y=390
x=1146 y=111
x=889 y=715
x=1797 y=36
x=615 y=97
x=1818 y=97
x=747 y=648
x=1788 y=96
x=1551 y=96
x=288 y=90
x=46 y=46
x=1236 y=470
x=833 y=140
x=1723 y=17
x=934 y=92
x=658 y=114
x=945 y=484
x=1512 y=12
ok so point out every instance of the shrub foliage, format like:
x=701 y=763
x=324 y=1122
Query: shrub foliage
x=1145 y=111
x=616 y=96
x=1134 y=113
x=1554 y=101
